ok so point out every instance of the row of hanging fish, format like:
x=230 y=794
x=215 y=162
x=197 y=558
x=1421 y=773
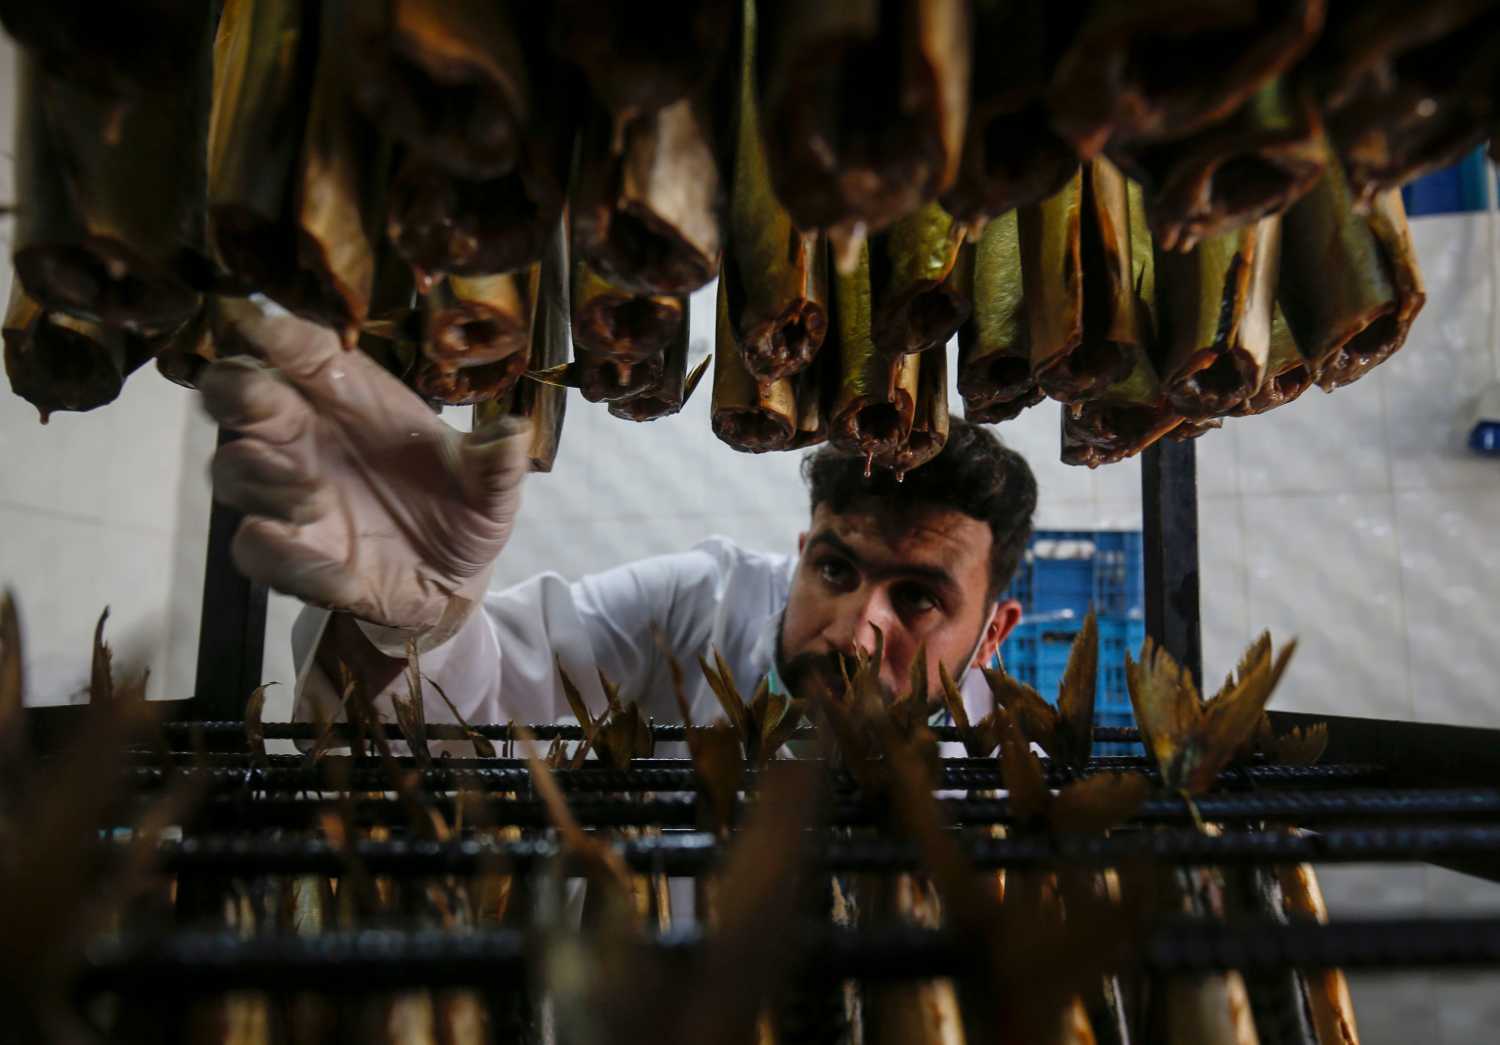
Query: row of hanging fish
x=463 y=187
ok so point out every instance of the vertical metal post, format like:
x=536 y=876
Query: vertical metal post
x=232 y=632
x=1169 y=509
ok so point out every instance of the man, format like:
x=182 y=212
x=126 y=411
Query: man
x=360 y=501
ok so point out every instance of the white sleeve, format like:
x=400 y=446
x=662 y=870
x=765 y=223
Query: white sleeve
x=500 y=665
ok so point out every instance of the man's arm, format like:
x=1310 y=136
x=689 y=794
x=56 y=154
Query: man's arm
x=502 y=664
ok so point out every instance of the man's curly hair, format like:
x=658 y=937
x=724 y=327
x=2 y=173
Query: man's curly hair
x=975 y=474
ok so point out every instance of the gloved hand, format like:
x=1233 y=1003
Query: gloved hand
x=356 y=496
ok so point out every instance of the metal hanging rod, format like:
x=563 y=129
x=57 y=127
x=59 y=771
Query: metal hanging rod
x=681 y=811
x=689 y=854
x=441 y=778
x=374 y=961
x=660 y=731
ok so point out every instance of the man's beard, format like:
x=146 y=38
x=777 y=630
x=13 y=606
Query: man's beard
x=809 y=673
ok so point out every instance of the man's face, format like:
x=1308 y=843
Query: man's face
x=920 y=578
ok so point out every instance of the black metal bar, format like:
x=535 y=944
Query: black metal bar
x=692 y=853
x=1418 y=753
x=1169 y=517
x=181 y=733
x=680 y=811
x=232 y=629
x=374 y=961
x=340 y=775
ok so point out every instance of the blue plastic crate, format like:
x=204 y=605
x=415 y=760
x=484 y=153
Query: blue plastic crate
x=1066 y=572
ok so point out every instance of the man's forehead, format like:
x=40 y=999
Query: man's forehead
x=937 y=535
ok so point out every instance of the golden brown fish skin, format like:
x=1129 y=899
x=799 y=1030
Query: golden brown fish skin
x=863 y=116
x=637 y=65
x=1104 y=431
x=1215 y=307
x=1378 y=341
x=1350 y=285
x=1288 y=374
x=111 y=232
x=1406 y=88
x=445 y=224
x=929 y=428
x=611 y=321
x=610 y=379
x=645 y=210
x=1328 y=998
x=873 y=410
x=1268 y=154
x=994 y=348
x=447 y=78
x=545 y=405
x=182 y=355
x=1105 y=89
x=57 y=362
x=467 y=385
x=920 y=280
x=1011 y=156
x=671 y=390
x=776 y=274
x=477 y=321
x=749 y=415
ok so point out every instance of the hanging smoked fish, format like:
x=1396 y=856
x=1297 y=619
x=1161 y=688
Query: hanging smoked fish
x=645 y=212
x=447 y=78
x=1259 y=161
x=1133 y=413
x=749 y=415
x=994 y=354
x=294 y=176
x=438 y=376
x=873 y=411
x=124 y=50
x=1214 y=305
x=478 y=321
x=545 y=405
x=611 y=321
x=110 y=226
x=1407 y=89
x=1373 y=345
x=59 y=362
x=1288 y=373
x=920 y=292
x=863 y=109
x=776 y=275
x=1108 y=87
x=672 y=389
x=633 y=68
x=182 y=355
x=929 y=429
x=1012 y=156
x=1350 y=286
x=445 y=224
x=1328 y=999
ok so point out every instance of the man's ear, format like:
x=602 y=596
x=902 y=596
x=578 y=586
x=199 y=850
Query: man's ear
x=1003 y=620
x=801 y=543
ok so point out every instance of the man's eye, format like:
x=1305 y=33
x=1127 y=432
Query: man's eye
x=914 y=599
x=835 y=571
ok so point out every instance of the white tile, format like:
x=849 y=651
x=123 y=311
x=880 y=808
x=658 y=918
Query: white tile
x=1318 y=444
x=117 y=465
x=1366 y=890
x=1432 y=381
x=1394 y=1009
x=1054 y=514
x=1217 y=455
x=1120 y=481
x=64 y=572
x=1222 y=586
x=1325 y=571
x=1467 y=1007
x=1450 y=567
x=1456 y=893
x=1037 y=436
x=538 y=545
x=277 y=665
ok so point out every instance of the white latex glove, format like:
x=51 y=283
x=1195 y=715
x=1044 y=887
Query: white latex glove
x=357 y=498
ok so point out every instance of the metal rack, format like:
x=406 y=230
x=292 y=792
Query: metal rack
x=1388 y=791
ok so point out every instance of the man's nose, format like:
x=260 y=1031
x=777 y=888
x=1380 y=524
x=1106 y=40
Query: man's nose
x=861 y=612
